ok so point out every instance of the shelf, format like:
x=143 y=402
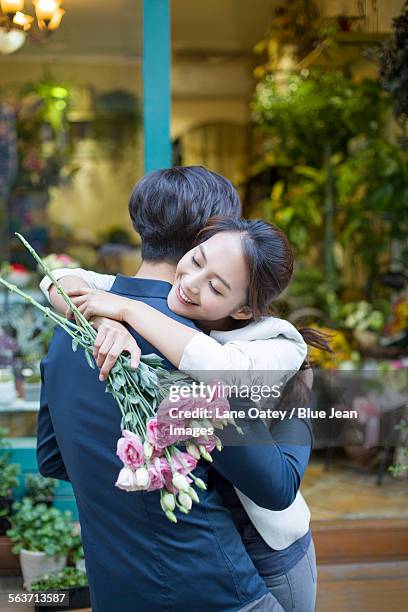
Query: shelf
x=360 y=38
x=20 y=405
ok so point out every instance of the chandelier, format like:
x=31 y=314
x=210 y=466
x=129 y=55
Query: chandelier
x=14 y=24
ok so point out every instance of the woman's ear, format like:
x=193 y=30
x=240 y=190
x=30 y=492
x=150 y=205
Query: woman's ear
x=242 y=314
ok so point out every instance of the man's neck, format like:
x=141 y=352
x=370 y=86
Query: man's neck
x=157 y=271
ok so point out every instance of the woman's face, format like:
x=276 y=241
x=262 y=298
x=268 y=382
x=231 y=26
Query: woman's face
x=211 y=281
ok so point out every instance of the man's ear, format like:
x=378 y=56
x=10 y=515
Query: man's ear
x=242 y=314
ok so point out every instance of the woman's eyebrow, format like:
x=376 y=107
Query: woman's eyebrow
x=224 y=282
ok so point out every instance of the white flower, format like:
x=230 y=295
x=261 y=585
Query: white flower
x=168 y=502
x=185 y=500
x=180 y=482
x=142 y=478
x=126 y=480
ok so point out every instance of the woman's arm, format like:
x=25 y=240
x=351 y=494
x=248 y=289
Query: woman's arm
x=72 y=279
x=167 y=335
x=190 y=350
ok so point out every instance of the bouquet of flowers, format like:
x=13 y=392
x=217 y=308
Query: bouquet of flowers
x=149 y=450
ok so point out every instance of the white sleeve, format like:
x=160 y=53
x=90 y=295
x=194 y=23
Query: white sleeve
x=91 y=279
x=241 y=360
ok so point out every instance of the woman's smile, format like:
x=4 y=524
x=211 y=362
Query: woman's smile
x=183 y=297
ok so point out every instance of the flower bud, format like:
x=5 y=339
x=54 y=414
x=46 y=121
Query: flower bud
x=148 y=449
x=200 y=484
x=185 y=500
x=180 y=482
x=142 y=478
x=168 y=502
x=195 y=424
x=204 y=454
x=193 y=494
x=171 y=516
x=218 y=444
x=218 y=425
x=193 y=450
x=207 y=424
x=183 y=510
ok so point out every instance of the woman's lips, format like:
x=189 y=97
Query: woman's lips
x=181 y=299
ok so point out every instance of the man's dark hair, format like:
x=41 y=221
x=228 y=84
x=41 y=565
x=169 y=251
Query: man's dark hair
x=169 y=207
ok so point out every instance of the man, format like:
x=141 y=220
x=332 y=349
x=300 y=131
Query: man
x=135 y=558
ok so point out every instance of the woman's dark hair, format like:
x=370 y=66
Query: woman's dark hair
x=269 y=258
x=168 y=207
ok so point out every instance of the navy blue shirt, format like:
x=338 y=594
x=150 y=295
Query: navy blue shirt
x=136 y=559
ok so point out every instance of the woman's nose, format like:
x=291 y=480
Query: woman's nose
x=192 y=283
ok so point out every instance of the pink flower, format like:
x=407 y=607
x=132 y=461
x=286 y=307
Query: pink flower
x=184 y=463
x=160 y=473
x=209 y=445
x=159 y=434
x=130 y=449
x=218 y=390
x=151 y=431
x=218 y=409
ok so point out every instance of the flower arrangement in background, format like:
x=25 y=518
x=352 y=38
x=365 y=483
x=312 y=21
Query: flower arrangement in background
x=16 y=273
x=362 y=316
x=59 y=260
x=342 y=350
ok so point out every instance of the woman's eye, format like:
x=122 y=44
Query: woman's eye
x=213 y=289
x=195 y=262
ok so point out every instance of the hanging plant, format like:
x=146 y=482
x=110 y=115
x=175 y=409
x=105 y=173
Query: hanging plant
x=394 y=66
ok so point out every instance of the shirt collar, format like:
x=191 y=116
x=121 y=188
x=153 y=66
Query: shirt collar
x=141 y=287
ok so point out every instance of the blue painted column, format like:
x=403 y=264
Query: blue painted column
x=156 y=84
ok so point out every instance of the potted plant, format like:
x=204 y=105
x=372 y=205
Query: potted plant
x=8 y=348
x=42 y=537
x=32 y=383
x=8 y=480
x=70 y=580
x=40 y=489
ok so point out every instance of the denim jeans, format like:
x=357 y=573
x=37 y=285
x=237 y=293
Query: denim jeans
x=296 y=590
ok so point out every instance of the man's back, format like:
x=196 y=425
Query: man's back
x=136 y=559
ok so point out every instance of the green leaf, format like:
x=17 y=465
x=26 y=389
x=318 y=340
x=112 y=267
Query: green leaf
x=90 y=360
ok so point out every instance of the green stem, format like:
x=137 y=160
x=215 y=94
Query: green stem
x=60 y=289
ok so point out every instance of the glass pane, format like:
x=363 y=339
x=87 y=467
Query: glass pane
x=71 y=148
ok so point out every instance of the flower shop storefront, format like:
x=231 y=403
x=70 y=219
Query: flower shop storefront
x=76 y=136
x=82 y=117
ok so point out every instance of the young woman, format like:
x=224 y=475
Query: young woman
x=227 y=283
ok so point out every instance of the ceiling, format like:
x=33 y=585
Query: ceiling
x=113 y=28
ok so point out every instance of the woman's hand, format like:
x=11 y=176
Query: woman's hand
x=94 y=302
x=113 y=339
